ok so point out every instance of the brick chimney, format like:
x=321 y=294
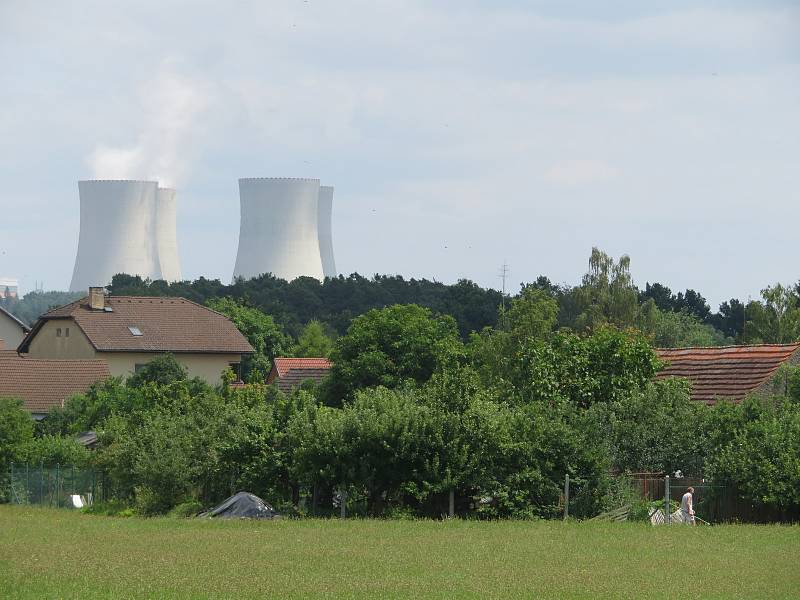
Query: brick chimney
x=97 y=298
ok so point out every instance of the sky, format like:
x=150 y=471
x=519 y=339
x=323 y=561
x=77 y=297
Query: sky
x=459 y=135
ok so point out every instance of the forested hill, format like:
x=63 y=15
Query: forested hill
x=606 y=294
x=333 y=302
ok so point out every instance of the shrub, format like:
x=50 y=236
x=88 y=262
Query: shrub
x=188 y=509
x=762 y=458
x=109 y=508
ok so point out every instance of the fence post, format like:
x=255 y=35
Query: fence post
x=11 y=482
x=58 y=474
x=452 y=504
x=343 y=504
x=667 y=515
x=566 y=496
x=314 y=499
x=41 y=482
x=27 y=483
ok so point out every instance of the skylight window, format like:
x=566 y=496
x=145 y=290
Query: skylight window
x=135 y=331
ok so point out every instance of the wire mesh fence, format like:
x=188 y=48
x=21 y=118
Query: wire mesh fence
x=55 y=485
x=712 y=502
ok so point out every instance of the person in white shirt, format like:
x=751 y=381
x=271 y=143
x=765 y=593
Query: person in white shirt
x=687 y=507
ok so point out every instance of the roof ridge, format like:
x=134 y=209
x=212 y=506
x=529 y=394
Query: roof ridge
x=126 y=296
x=63 y=306
x=786 y=345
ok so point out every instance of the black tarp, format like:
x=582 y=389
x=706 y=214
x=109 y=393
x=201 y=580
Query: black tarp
x=242 y=505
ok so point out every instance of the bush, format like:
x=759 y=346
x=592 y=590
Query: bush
x=162 y=370
x=109 y=508
x=656 y=429
x=762 y=458
x=186 y=510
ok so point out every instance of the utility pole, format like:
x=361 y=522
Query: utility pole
x=504 y=273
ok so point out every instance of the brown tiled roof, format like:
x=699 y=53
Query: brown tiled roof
x=729 y=372
x=167 y=325
x=289 y=373
x=42 y=384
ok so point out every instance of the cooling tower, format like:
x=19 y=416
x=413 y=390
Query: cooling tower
x=325 y=233
x=166 y=237
x=117 y=232
x=278 y=231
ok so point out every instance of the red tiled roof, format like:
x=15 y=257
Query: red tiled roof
x=289 y=373
x=42 y=384
x=729 y=372
x=167 y=325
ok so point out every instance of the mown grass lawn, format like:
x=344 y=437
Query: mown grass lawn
x=60 y=554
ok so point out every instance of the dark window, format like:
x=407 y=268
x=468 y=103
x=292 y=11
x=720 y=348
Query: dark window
x=58 y=332
x=138 y=367
x=66 y=332
x=237 y=370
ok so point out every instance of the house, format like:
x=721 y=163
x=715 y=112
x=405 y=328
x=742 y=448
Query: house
x=290 y=373
x=129 y=331
x=42 y=384
x=729 y=372
x=12 y=330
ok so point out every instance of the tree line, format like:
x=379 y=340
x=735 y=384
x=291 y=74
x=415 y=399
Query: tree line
x=605 y=294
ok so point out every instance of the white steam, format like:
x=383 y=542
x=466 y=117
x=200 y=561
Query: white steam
x=171 y=107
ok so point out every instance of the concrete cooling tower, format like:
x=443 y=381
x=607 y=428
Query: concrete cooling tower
x=117 y=232
x=325 y=233
x=126 y=227
x=278 y=232
x=165 y=230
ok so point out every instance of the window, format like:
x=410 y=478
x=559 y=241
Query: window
x=66 y=332
x=237 y=370
x=135 y=331
x=58 y=332
x=138 y=367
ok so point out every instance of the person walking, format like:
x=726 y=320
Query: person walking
x=687 y=506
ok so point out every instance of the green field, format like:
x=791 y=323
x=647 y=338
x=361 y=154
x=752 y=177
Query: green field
x=52 y=554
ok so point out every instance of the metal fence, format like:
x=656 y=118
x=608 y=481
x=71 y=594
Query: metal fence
x=712 y=502
x=54 y=485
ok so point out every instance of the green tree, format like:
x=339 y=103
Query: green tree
x=776 y=320
x=606 y=294
x=656 y=428
x=669 y=329
x=601 y=367
x=162 y=370
x=389 y=347
x=532 y=314
x=760 y=459
x=16 y=429
x=313 y=342
x=260 y=329
x=52 y=450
